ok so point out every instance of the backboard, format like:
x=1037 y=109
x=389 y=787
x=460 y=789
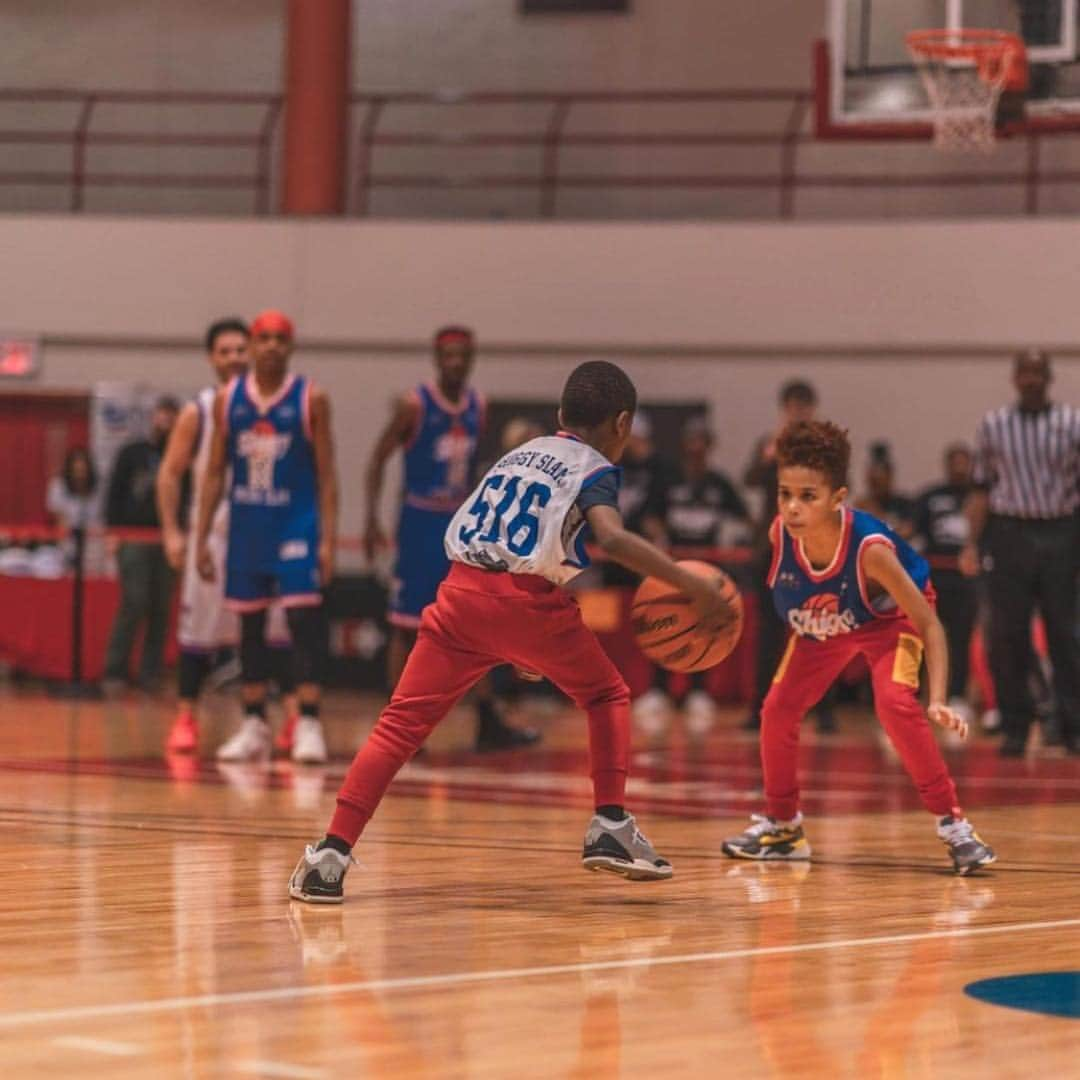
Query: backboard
x=868 y=87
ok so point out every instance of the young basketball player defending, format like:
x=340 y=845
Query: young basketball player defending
x=272 y=439
x=844 y=583
x=512 y=544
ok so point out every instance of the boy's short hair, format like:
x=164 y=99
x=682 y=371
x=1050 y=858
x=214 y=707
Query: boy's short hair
x=798 y=390
x=233 y=325
x=816 y=444
x=595 y=392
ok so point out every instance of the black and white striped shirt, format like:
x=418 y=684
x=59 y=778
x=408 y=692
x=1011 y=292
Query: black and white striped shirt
x=1030 y=461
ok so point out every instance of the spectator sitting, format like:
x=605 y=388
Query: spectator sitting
x=146 y=581
x=880 y=499
x=72 y=496
x=72 y=502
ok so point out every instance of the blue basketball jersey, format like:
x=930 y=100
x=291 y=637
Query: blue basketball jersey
x=835 y=600
x=440 y=459
x=273 y=492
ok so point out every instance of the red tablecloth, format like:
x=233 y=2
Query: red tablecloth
x=35 y=634
x=35 y=625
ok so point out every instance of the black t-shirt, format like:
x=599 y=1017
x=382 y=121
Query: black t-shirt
x=699 y=513
x=940 y=520
x=131 y=498
x=641 y=492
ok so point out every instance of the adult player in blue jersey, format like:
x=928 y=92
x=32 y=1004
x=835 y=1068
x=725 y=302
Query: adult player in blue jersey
x=437 y=426
x=846 y=585
x=272 y=434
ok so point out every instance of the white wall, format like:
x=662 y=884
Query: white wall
x=407 y=44
x=906 y=331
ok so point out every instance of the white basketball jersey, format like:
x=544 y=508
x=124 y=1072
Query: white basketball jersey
x=204 y=400
x=523 y=517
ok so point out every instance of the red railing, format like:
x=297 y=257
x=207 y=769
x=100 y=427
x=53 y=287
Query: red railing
x=81 y=135
x=553 y=137
x=786 y=133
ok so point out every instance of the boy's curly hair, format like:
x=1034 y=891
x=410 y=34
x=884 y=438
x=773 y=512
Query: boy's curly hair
x=816 y=444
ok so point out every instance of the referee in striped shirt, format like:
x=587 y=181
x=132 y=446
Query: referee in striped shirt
x=1023 y=515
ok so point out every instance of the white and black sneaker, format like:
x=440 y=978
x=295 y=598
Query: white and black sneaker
x=319 y=877
x=965 y=845
x=621 y=848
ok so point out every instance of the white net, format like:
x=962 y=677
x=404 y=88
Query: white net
x=964 y=72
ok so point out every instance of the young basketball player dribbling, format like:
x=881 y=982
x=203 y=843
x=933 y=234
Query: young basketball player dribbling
x=513 y=543
x=845 y=584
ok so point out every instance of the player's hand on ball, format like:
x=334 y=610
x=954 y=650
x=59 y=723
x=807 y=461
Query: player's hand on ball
x=713 y=609
x=204 y=563
x=175 y=548
x=948 y=718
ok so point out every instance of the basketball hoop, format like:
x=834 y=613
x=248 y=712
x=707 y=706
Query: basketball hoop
x=964 y=72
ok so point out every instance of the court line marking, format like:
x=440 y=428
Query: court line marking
x=97 y=1046
x=425 y=982
x=279 y=1068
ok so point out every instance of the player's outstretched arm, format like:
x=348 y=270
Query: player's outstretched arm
x=397 y=432
x=880 y=564
x=637 y=554
x=322 y=440
x=211 y=489
x=179 y=451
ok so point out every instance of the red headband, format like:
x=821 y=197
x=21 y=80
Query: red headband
x=273 y=322
x=454 y=337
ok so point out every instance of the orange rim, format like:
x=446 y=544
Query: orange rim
x=984 y=45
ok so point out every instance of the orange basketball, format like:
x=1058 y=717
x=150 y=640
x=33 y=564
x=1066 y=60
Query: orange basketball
x=666 y=627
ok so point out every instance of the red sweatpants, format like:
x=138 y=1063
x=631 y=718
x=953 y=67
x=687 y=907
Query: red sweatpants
x=479 y=620
x=893 y=650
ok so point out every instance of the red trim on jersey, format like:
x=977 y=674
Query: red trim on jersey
x=305 y=408
x=568 y=435
x=776 y=537
x=248 y=605
x=313 y=599
x=867 y=541
x=417 y=400
x=446 y=404
x=838 y=556
x=264 y=405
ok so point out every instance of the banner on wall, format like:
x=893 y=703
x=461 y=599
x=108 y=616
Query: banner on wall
x=119 y=413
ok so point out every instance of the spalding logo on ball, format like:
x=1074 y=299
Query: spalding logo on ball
x=665 y=623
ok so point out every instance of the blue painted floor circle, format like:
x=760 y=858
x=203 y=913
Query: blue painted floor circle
x=1052 y=993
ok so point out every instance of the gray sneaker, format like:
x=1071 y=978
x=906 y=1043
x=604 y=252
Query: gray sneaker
x=620 y=848
x=965 y=845
x=319 y=877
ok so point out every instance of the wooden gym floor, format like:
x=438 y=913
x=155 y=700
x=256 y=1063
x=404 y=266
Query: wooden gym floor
x=146 y=932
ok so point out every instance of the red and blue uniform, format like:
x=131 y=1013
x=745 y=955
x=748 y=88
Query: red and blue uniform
x=273 y=497
x=440 y=467
x=834 y=616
